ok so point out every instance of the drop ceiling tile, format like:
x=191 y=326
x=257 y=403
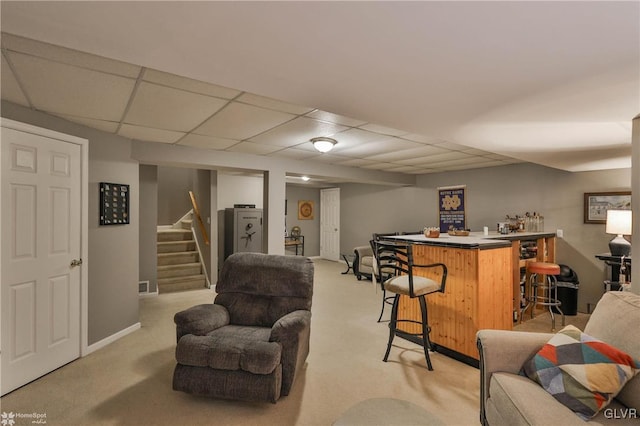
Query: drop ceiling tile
x=335 y=118
x=421 y=171
x=296 y=154
x=171 y=109
x=357 y=162
x=297 y=132
x=463 y=161
x=380 y=146
x=10 y=88
x=383 y=130
x=422 y=138
x=261 y=101
x=65 y=89
x=253 y=148
x=329 y=158
x=422 y=151
x=433 y=159
x=351 y=138
x=241 y=121
x=451 y=146
x=189 y=85
x=379 y=166
x=149 y=134
x=209 y=142
x=474 y=151
x=405 y=169
x=105 y=126
x=69 y=56
x=452 y=168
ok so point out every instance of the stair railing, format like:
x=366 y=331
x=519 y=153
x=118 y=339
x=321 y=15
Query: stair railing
x=196 y=211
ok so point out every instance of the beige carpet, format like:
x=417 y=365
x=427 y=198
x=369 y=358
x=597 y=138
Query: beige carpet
x=129 y=381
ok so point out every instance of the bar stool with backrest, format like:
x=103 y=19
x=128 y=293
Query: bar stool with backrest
x=397 y=259
x=380 y=274
x=548 y=287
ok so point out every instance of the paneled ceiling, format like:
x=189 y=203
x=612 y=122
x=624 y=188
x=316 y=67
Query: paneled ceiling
x=410 y=87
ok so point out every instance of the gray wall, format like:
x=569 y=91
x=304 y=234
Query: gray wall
x=113 y=250
x=174 y=184
x=310 y=228
x=491 y=194
x=148 y=228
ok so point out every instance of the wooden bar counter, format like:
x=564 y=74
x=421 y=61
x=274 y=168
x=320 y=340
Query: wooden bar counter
x=479 y=292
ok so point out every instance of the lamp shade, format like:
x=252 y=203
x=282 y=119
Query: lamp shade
x=323 y=144
x=619 y=222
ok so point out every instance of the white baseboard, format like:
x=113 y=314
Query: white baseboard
x=106 y=341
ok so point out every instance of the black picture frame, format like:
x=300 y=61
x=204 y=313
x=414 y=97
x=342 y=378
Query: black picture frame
x=596 y=204
x=114 y=203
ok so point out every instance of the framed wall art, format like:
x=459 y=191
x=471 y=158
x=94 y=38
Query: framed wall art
x=452 y=208
x=305 y=209
x=114 y=203
x=596 y=204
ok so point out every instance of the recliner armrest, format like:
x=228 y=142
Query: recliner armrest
x=504 y=351
x=200 y=319
x=363 y=251
x=290 y=325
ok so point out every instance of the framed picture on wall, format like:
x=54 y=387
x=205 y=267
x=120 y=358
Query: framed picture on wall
x=596 y=204
x=114 y=203
x=305 y=209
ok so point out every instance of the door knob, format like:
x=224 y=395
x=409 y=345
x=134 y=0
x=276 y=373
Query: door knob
x=76 y=262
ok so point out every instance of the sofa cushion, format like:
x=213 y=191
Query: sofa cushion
x=223 y=352
x=580 y=371
x=619 y=307
x=521 y=402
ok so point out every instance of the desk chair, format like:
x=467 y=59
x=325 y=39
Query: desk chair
x=397 y=258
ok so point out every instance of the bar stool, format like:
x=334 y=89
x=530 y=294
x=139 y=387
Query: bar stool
x=549 y=289
x=396 y=258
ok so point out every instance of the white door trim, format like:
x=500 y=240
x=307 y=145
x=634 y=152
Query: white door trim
x=84 y=216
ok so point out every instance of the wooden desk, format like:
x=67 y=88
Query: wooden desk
x=296 y=242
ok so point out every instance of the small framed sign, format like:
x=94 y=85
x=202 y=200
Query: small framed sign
x=114 y=203
x=452 y=208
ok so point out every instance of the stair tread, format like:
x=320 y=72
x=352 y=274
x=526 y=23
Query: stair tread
x=175 y=243
x=180 y=265
x=177 y=253
x=180 y=279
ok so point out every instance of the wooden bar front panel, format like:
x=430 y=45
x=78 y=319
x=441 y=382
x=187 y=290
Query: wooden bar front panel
x=478 y=294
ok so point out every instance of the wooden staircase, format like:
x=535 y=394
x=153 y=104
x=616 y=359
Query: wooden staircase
x=179 y=267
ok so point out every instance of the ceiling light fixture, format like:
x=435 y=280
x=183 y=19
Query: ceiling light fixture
x=323 y=144
x=305 y=178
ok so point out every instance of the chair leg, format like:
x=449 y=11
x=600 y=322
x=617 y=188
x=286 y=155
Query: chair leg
x=392 y=325
x=384 y=302
x=426 y=342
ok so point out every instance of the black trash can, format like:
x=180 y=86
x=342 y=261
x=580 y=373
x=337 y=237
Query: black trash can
x=568 y=296
x=568 y=285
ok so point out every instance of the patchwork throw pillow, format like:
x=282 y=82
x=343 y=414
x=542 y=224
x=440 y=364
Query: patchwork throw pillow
x=580 y=371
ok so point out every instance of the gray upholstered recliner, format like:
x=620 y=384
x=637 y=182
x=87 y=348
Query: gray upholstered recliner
x=250 y=343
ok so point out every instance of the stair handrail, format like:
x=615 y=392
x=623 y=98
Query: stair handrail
x=196 y=210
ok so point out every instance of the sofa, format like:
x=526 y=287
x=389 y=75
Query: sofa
x=252 y=341
x=510 y=398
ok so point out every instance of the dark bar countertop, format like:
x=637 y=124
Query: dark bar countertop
x=475 y=240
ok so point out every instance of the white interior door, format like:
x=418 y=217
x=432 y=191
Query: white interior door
x=330 y=223
x=41 y=226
